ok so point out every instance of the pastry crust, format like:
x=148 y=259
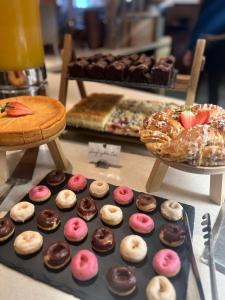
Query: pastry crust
x=201 y=145
x=48 y=119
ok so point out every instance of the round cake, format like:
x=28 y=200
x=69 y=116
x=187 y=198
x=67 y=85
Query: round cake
x=46 y=119
x=193 y=134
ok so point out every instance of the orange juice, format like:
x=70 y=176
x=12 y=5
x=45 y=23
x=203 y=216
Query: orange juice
x=21 y=45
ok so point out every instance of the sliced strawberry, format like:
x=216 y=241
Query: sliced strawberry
x=16 y=109
x=187 y=119
x=202 y=116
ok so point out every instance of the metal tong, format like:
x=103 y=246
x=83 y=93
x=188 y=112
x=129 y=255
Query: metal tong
x=206 y=223
x=192 y=257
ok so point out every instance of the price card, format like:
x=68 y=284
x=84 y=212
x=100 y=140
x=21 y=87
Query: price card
x=103 y=154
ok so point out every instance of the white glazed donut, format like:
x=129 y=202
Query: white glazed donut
x=66 y=199
x=98 y=188
x=160 y=288
x=22 y=211
x=111 y=214
x=172 y=210
x=133 y=248
x=28 y=242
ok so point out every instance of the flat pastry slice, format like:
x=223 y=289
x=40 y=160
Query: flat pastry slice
x=46 y=120
x=93 y=111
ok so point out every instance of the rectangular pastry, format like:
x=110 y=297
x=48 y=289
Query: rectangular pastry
x=93 y=111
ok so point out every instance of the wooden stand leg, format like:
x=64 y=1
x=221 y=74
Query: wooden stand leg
x=57 y=155
x=217 y=188
x=3 y=167
x=156 y=177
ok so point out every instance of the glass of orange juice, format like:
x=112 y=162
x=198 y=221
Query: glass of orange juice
x=21 y=53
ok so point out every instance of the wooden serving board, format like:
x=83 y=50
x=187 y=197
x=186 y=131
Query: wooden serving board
x=96 y=288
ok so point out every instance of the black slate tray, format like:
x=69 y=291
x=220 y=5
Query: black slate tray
x=94 y=289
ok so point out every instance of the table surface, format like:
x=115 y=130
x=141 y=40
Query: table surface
x=135 y=167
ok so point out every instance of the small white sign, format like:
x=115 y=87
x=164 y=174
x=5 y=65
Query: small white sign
x=108 y=154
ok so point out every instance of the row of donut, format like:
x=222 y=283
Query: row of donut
x=121 y=279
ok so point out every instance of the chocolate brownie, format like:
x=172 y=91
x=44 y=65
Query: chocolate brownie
x=97 y=70
x=78 y=68
x=161 y=74
x=116 y=71
x=139 y=73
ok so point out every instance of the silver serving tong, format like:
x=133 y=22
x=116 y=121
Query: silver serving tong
x=192 y=256
x=206 y=223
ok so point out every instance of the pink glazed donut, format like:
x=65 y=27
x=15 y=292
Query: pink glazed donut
x=166 y=262
x=84 y=265
x=141 y=223
x=77 y=183
x=39 y=193
x=75 y=229
x=123 y=195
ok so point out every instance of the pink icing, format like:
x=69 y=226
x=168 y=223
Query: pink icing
x=123 y=195
x=141 y=223
x=166 y=262
x=75 y=229
x=77 y=183
x=38 y=192
x=84 y=265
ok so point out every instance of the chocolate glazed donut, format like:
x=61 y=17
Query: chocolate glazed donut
x=103 y=239
x=172 y=235
x=48 y=219
x=55 y=177
x=121 y=280
x=145 y=202
x=7 y=228
x=57 y=255
x=86 y=208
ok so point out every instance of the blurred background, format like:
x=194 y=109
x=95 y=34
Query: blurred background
x=138 y=26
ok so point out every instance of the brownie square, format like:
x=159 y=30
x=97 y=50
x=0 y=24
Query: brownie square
x=116 y=71
x=139 y=73
x=78 y=68
x=97 y=70
x=161 y=74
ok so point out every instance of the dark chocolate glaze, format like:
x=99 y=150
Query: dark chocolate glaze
x=55 y=177
x=145 y=199
x=57 y=253
x=103 y=239
x=86 y=206
x=6 y=227
x=47 y=218
x=172 y=233
x=121 y=279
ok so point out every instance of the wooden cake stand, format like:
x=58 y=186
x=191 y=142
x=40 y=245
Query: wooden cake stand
x=217 y=177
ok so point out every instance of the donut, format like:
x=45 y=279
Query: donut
x=133 y=248
x=48 y=219
x=86 y=208
x=160 y=288
x=121 y=280
x=171 y=210
x=111 y=214
x=57 y=255
x=172 y=235
x=123 y=195
x=98 y=188
x=17 y=78
x=103 y=239
x=28 y=242
x=7 y=229
x=22 y=211
x=166 y=262
x=39 y=193
x=146 y=202
x=141 y=223
x=77 y=183
x=65 y=199
x=75 y=229
x=55 y=177
x=84 y=265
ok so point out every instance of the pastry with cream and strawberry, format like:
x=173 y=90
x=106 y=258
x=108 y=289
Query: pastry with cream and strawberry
x=29 y=119
x=190 y=133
